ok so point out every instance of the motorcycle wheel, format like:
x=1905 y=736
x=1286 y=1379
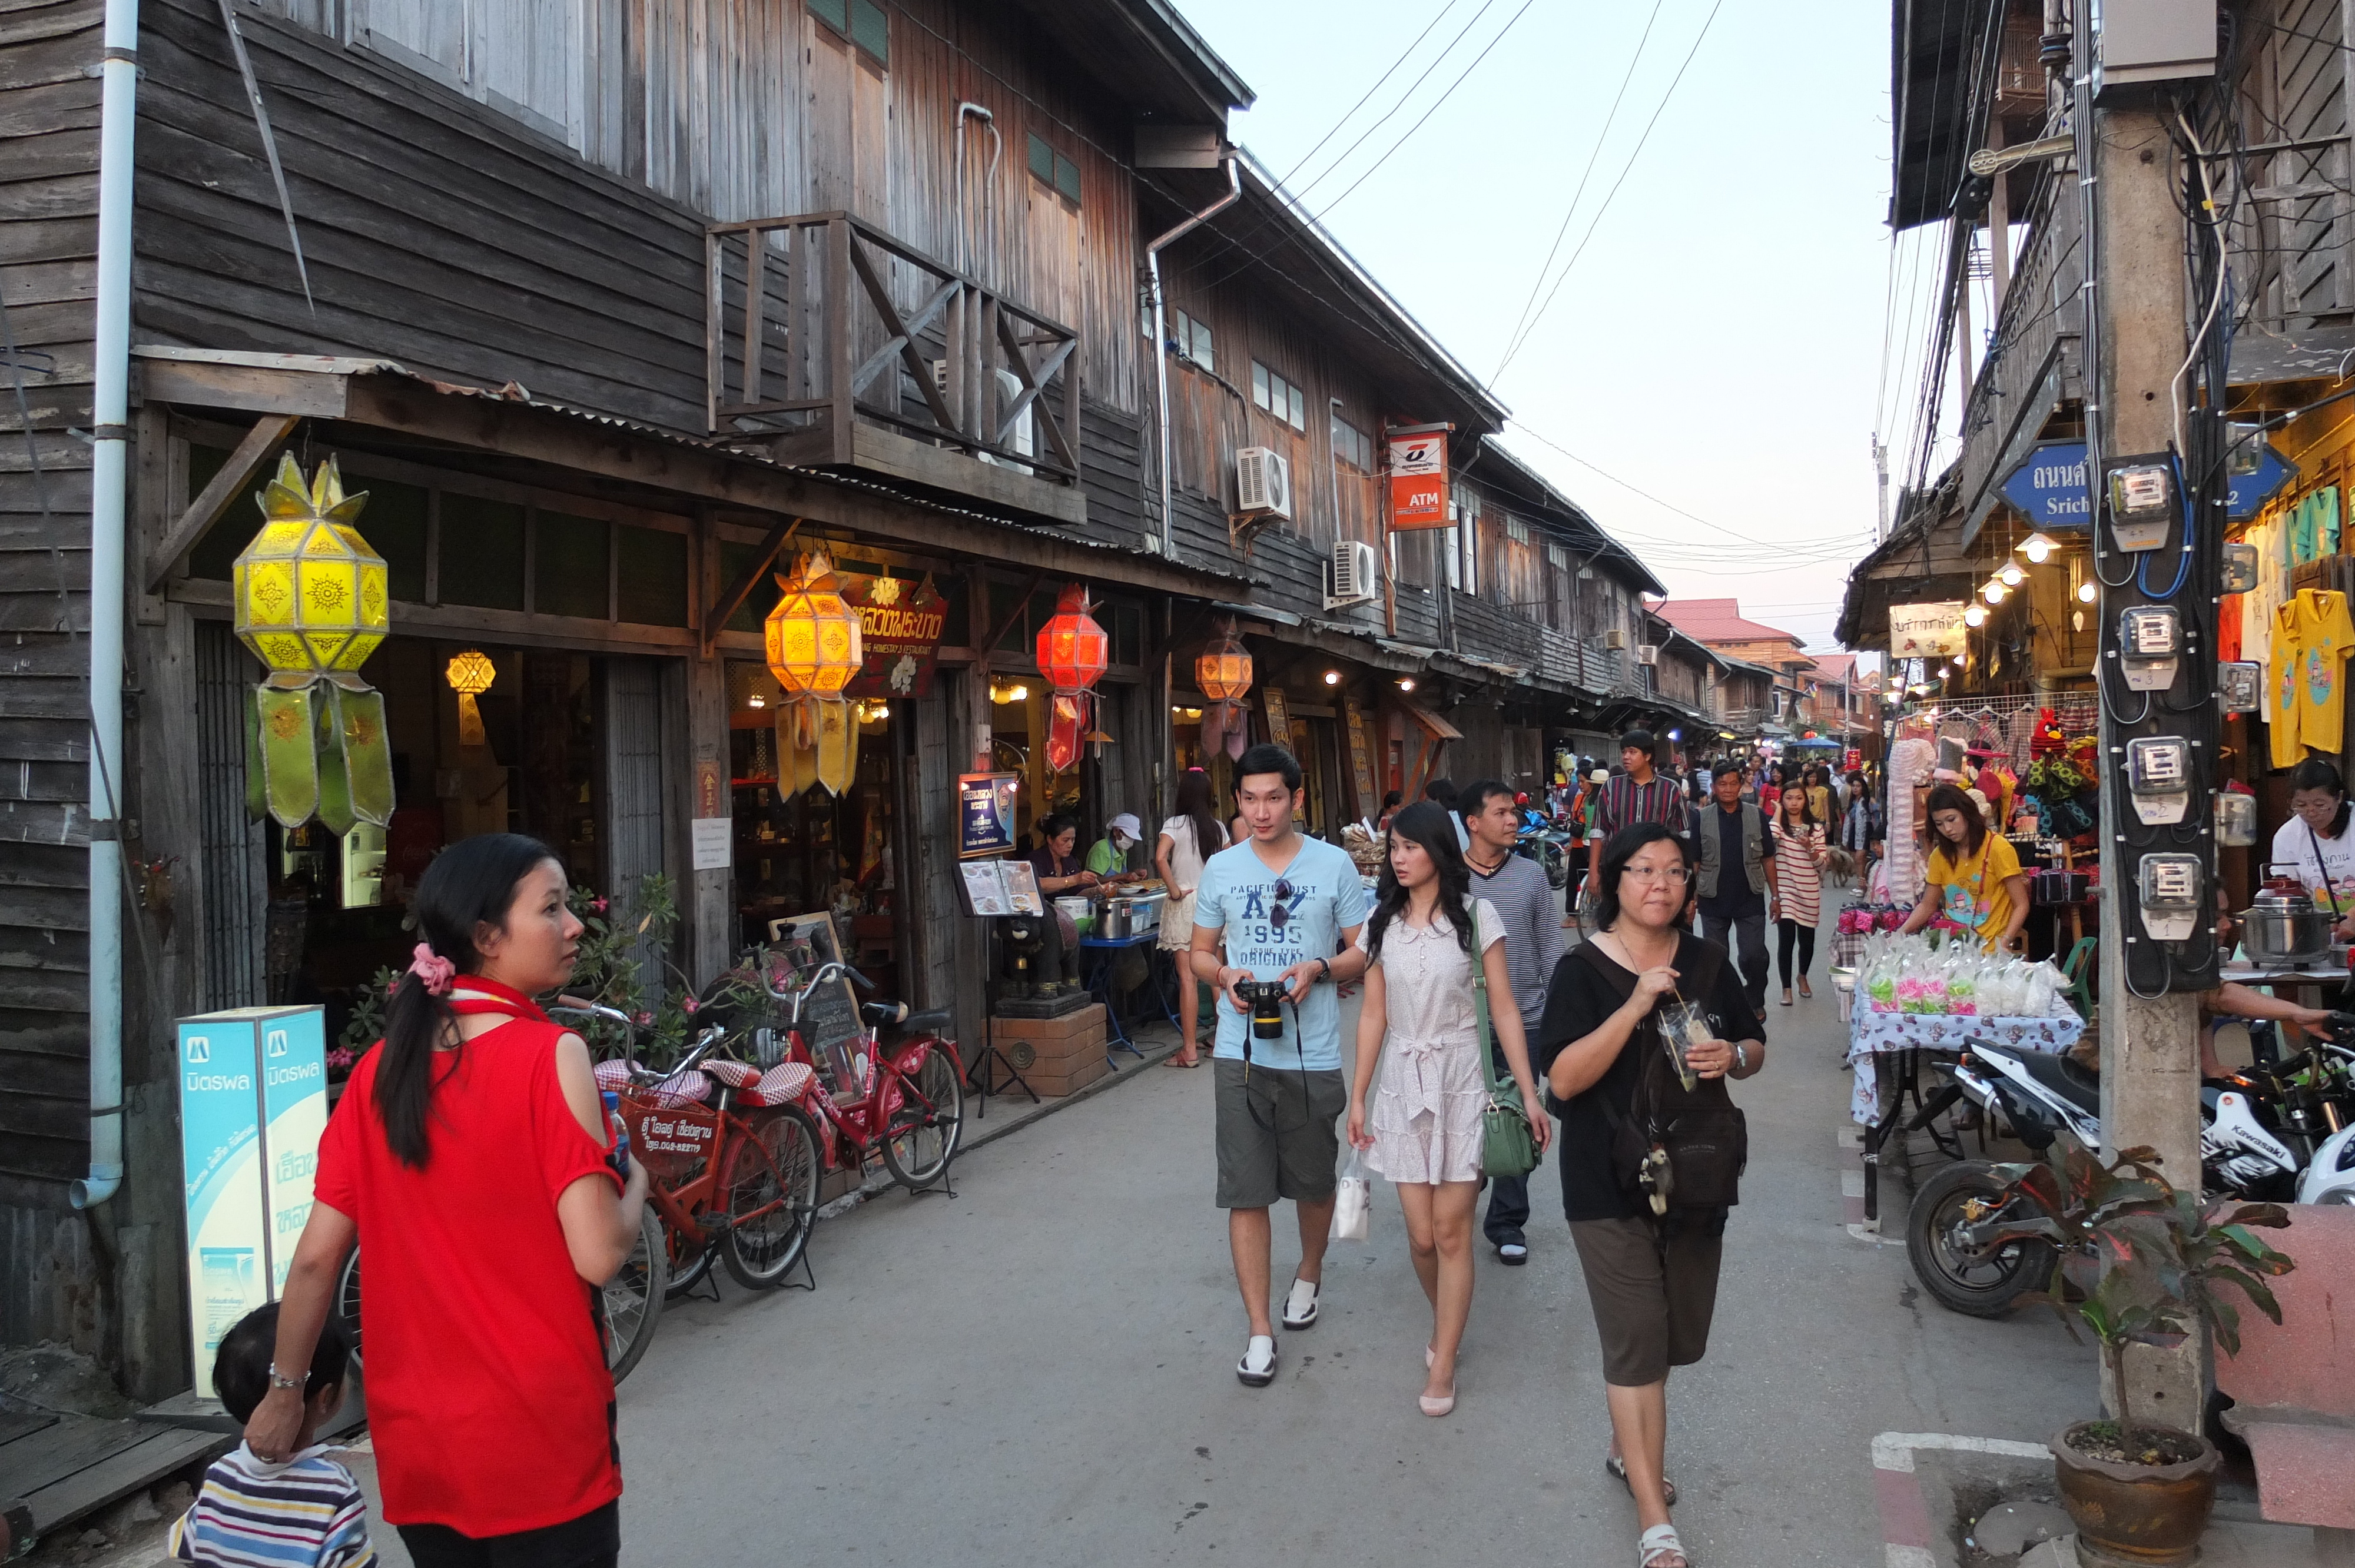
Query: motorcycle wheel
x=1975 y=1285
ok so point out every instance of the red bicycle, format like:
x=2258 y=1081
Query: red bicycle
x=904 y=1101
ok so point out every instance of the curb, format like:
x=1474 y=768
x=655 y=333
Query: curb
x=1905 y=1528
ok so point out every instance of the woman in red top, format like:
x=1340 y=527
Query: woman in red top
x=471 y=1153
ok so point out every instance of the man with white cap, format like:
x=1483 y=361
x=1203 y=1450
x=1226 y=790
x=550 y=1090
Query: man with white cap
x=1112 y=857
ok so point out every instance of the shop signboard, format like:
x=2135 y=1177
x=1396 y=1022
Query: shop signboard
x=1362 y=760
x=899 y=627
x=253 y=1104
x=2049 y=486
x=1278 y=714
x=1926 y=631
x=986 y=813
x=1418 y=475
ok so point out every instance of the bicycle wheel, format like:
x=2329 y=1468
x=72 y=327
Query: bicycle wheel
x=634 y=1298
x=684 y=1275
x=347 y=1301
x=770 y=1191
x=920 y=1142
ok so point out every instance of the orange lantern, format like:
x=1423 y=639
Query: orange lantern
x=814 y=646
x=1072 y=653
x=1223 y=673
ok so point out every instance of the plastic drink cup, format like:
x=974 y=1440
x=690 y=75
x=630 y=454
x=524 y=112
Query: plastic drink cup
x=1683 y=1027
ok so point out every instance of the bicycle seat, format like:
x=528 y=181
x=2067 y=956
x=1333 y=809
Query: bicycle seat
x=883 y=1015
x=2065 y=1077
x=939 y=1021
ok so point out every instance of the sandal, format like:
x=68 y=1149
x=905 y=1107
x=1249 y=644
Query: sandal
x=1257 y=1369
x=1299 y=1311
x=1180 y=1062
x=1656 y=1546
x=1786 y=996
x=1618 y=1467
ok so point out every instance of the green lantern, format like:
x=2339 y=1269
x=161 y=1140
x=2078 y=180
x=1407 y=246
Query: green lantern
x=313 y=603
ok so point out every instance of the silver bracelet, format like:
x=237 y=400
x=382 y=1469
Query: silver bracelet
x=280 y=1379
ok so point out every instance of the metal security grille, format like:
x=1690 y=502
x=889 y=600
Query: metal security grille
x=235 y=876
x=633 y=756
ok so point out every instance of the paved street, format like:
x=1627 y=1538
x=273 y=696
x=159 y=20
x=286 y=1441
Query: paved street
x=1039 y=1370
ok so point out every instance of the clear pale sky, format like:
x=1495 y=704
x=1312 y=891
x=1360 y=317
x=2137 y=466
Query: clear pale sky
x=1719 y=342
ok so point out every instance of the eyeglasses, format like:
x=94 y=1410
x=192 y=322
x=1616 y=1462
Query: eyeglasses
x=1277 y=913
x=1672 y=874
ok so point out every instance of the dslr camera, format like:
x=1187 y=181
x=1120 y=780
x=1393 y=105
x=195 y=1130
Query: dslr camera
x=1266 y=1000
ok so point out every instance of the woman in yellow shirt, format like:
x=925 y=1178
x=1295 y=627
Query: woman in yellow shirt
x=1975 y=878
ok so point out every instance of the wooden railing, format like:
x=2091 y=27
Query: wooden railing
x=822 y=319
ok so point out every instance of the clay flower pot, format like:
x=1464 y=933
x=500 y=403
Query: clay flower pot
x=2131 y=1513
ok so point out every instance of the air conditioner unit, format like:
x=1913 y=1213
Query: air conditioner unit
x=1357 y=574
x=1614 y=640
x=1647 y=652
x=1024 y=435
x=1262 y=483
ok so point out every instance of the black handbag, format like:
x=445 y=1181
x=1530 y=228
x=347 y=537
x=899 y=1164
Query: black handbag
x=1677 y=1148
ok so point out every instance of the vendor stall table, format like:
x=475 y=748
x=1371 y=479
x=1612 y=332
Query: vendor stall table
x=1907 y=1036
x=1107 y=951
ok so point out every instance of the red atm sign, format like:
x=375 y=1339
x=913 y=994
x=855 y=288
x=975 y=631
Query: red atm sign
x=1419 y=482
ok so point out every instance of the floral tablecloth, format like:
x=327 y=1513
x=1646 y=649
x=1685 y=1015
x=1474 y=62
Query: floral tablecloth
x=1873 y=1034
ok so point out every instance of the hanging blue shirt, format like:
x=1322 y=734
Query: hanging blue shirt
x=1236 y=897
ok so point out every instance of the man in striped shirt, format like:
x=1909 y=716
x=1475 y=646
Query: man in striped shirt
x=1637 y=795
x=305 y=1513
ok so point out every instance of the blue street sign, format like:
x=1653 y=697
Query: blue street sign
x=2050 y=487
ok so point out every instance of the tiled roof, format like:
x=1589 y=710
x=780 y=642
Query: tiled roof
x=1718 y=620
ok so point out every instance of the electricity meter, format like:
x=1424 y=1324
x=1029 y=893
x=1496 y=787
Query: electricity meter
x=2151 y=642
x=2142 y=504
x=2240 y=568
x=2158 y=777
x=2237 y=684
x=2167 y=889
x=2236 y=819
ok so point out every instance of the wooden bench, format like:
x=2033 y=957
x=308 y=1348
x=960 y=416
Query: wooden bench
x=2294 y=1385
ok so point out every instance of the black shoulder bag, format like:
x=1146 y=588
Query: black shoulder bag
x=1677 y=1148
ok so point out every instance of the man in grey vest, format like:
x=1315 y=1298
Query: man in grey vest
x=1735 y=890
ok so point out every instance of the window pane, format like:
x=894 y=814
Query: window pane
x=835 y=14
x=733 y=558
x=1299 y=410
x=569 y=561
x=1067 y=176
x=652 y=576
x=1042 y=160
x=481 y=552
x=1202 y=355
x=217 y=550
x=394 y=523
x=1259 y=383
x=870 y=29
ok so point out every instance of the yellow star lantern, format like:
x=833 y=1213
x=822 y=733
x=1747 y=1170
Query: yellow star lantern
x=311 y=601
x=814 y=647
x=470 y=674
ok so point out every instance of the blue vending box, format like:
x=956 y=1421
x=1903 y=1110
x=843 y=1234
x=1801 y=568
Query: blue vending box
x=253 y=1104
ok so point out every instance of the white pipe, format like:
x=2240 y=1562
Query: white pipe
x=1161 y=336
x=964 y=243
x=110 y=415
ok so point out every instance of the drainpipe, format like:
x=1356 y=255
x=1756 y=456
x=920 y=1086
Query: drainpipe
x=1161 y=336
x=110 y=417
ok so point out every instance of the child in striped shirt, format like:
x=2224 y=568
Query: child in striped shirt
x=305 y=1513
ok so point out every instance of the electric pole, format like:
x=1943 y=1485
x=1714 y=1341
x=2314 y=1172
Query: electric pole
x=2136 y=320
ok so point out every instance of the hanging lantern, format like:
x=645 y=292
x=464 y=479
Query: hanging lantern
x=1223 y=673
x=815 y=648
x=313 y=603
x=470 y=674
x=1072 y=653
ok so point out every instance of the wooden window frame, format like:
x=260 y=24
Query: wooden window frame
x=1059 y=165
x=1264 y=382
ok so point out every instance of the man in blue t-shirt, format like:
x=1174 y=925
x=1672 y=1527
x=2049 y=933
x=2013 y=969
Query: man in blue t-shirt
x=1285 y=907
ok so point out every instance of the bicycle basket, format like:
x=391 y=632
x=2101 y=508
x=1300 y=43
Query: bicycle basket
x=671 y=1140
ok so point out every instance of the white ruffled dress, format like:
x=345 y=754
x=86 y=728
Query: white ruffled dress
x=1430 y=1089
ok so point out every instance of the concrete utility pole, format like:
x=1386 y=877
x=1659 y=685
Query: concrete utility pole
x=2136 y=309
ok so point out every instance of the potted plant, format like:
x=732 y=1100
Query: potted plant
x=2147 y=1265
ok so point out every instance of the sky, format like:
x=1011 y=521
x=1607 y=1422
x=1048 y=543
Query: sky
x=1716 y=348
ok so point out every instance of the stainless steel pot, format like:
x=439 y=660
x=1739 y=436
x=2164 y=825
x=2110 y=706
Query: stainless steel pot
x=2285 y=927
x=1115 y=919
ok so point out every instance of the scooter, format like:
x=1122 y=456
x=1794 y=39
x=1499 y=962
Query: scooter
x=1550 y=847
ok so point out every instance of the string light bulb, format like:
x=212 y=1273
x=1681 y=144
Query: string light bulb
x=1976 y=615
x=2011 y=576
x=1993 y=593
x=2087 y=593
x=2037 y=548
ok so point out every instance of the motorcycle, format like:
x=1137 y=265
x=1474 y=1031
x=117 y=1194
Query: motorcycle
x=2043 y=1095
x=1549 y=846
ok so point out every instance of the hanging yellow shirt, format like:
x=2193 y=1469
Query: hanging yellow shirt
x=1979 y=892
x=2281 y=684
x=2326 y=637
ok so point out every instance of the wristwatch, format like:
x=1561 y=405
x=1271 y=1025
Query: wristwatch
x=1741 y=1057
x=1329 y=968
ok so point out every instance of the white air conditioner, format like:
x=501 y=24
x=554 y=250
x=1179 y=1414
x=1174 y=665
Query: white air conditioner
x=1357 y=574
x=1262 y=483
x=1647 y=652
x=1614 y=640
x=1025 y=437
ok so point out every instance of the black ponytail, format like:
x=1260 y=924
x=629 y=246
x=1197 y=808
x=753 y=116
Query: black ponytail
x=470 y=883
x=1433 y=826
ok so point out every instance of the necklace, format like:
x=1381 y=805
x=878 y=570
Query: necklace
x=1486 y=870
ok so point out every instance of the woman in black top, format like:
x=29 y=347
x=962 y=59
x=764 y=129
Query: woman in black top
x=1652 y=1281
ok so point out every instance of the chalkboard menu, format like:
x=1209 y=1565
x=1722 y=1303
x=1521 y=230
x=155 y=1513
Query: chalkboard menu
x=802 y=944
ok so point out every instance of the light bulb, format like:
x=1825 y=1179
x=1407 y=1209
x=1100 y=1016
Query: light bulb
x=1406 y=683
x=2037 y=548
x=2087 y=593
x=1992 y=593
x=2011 y=575
x=1975 y=616
x=1332 y=677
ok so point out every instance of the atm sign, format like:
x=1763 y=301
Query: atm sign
x=1418 y=468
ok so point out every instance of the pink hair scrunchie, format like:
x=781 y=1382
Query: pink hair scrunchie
x=435 y=971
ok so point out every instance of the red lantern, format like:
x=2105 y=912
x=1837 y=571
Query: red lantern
x=1072 y=653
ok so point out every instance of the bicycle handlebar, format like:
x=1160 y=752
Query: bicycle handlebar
x=597 y=1009
x=825 y=974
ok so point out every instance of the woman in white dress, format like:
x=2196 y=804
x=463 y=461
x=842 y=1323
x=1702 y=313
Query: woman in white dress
x=1423 y=1131
x=1187 y=839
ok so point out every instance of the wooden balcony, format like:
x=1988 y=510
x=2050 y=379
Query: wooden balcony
x=834 y=344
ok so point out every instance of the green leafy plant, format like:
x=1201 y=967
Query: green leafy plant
x=366 y=1025
x=606 y=971
x=2148 y=1262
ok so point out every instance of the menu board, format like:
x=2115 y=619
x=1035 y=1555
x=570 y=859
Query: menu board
x=986 y=813
x=1001 y=887
x=803 y=944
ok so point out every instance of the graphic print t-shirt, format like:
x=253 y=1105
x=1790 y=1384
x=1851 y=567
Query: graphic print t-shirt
x=1238 y=897
x=2326 y=636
